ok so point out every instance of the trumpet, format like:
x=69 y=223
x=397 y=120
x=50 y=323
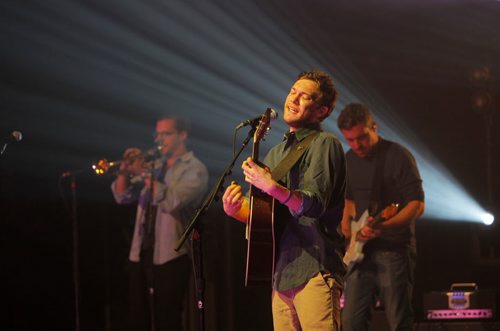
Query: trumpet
x=103 y=166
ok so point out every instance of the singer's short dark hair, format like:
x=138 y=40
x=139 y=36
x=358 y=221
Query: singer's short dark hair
x=182 y=124
x=354 y=114
x=329 y=93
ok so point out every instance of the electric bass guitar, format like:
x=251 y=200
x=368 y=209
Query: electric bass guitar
x=260 y=226
x=354 y=253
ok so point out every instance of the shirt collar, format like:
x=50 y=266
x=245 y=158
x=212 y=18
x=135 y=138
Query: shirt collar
x=302 y=133
x=185 y=158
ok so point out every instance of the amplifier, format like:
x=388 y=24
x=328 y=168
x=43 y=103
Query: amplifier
x=458 y=326
x=462 y=301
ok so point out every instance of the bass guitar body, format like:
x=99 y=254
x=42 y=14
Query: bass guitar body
x=354 y=253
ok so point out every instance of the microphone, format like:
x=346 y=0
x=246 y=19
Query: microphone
x=14 y=136
x=254 y=121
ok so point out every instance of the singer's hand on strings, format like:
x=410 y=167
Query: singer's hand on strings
x=232 y=199
x=258 y=176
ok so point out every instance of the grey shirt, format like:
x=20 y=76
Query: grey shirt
x=176 y=198
x=308 y=242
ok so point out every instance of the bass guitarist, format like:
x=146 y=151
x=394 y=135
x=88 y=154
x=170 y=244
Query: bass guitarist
x=380 y=173
x=308 y=275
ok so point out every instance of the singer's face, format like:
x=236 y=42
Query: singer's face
x=361 y=138
x=301 y=108
x=169 y=138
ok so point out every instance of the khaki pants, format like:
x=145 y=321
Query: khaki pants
x=314 y=305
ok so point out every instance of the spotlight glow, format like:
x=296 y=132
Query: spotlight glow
x=487 y=218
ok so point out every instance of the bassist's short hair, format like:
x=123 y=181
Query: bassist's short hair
x=354 y=114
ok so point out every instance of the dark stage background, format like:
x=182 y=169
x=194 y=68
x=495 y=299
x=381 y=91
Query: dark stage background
x=84 y=80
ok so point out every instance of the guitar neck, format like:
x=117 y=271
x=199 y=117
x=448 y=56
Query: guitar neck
x=255 y=151
x=388 y=212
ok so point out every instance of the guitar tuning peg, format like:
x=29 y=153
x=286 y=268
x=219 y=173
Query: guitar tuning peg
x=265 y=133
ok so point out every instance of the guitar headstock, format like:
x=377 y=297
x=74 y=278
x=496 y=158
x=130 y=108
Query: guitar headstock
x=390 y=211
x=263 y=126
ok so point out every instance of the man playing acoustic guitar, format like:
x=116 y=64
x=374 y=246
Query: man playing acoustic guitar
x=308 y=273
x=381 y=175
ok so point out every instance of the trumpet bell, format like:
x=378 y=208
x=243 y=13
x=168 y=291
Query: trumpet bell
x=102 y=166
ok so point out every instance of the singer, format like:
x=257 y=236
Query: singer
x=308 y=278
x=167 y=197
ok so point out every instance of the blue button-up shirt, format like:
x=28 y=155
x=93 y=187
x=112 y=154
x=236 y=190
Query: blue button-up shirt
x=177 y=196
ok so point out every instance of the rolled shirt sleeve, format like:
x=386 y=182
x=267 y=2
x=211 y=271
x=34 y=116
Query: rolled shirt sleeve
x=324 y=159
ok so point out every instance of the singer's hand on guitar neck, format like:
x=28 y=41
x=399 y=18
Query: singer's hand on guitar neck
x=258 y=176
x=261 y=178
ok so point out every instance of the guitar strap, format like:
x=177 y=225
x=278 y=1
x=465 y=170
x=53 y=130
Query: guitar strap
x=293 y=156
x=378 y=176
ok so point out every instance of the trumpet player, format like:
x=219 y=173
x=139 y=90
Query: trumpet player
x=167 y=191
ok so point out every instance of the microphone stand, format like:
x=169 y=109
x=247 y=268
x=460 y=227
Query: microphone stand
x=76 y=266
x=75 y=235
x=74 y=225
x=147 y=251
x=197 y=235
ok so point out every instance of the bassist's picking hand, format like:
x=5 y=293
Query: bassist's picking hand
x=368 y=233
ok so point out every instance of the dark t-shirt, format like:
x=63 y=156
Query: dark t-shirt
x=401 y=184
